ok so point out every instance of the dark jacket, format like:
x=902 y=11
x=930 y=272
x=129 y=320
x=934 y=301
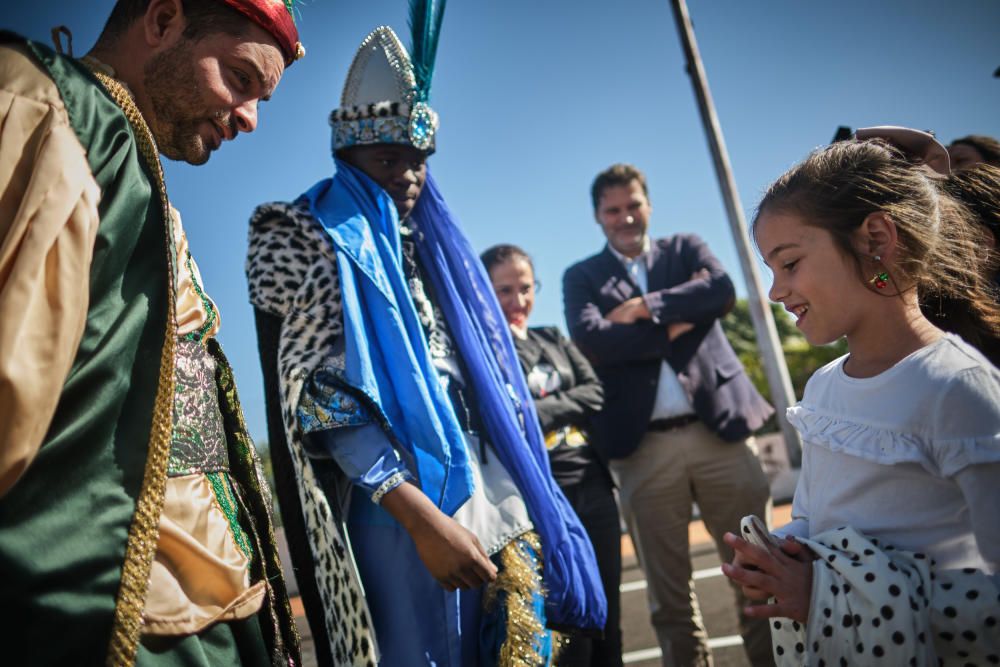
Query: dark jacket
x=575 y=404
x=627 y=356
x=582 y=395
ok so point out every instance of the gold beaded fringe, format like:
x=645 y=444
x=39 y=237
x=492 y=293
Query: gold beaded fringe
x=144 y=532
x=519 y=577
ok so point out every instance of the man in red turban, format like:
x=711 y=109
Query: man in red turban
x=135 y=527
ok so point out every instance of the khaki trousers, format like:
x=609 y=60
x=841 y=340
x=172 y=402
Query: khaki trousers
x=658 y=483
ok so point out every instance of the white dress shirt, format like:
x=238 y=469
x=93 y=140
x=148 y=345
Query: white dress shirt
x=671 y=399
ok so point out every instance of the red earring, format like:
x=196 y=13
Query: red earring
x=880 y=279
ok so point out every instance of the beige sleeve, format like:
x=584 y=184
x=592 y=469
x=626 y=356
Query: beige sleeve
x=48 y=223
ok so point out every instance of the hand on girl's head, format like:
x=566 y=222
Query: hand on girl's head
x=784 y=574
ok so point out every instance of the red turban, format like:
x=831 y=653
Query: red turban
x=274 y=16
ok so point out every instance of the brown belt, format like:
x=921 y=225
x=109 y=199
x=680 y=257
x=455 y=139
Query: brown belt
x=671 y=423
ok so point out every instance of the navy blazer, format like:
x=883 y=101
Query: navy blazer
x=627 y=356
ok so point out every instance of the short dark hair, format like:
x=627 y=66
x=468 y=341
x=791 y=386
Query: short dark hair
x=988 y=147
x=616 y=174
x=204 y=17
x=504 y=252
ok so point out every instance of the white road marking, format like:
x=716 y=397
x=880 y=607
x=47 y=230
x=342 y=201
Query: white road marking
x=654 y=653
x=707 y=573
x=630 y=586
x=725 y=642
x=644 y=654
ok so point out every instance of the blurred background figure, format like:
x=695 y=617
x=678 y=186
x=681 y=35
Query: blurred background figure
x=972 y=179
x=680 y=411
x=567 y=393
x=974 y=149
x=978 y=189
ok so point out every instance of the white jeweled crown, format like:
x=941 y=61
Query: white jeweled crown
x=379 y=104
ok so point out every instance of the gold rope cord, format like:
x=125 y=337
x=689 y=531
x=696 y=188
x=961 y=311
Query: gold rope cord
x=143 y=534
x=520 y=579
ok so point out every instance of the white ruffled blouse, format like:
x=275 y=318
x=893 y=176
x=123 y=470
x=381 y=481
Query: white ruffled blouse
x=911 y=456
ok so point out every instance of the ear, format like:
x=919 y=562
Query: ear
x=163 y=23
x=877 y=235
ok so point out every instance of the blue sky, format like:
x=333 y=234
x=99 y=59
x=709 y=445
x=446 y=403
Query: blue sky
x=537 y=97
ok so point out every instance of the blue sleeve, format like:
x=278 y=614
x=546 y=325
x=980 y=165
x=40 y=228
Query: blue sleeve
x=366 y=456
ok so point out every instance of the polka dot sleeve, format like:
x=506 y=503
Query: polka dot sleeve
x=876 y=605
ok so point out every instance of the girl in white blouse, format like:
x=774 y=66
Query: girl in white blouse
x=901 y=436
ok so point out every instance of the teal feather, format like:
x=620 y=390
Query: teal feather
x=292 y=7
x=425 y=28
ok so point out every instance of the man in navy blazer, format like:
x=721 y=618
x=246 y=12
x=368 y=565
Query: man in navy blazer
x=679 y=409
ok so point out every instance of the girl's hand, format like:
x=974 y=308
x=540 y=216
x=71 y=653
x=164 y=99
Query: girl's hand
x=792 y=547
x=741 y=563
x=784 y=574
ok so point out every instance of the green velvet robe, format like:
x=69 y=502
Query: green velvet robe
x=64 y=526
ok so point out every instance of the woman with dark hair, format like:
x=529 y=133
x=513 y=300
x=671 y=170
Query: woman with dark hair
x=566 y=392
x=974 y=149
x=978 y=189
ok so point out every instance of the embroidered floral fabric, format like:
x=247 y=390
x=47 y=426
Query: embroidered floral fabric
x=385 y=130
x=216 y=557
x=198 y=441
x=325 y=405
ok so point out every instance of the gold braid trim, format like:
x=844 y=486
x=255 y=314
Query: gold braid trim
x=520 y=579
x=144 y=533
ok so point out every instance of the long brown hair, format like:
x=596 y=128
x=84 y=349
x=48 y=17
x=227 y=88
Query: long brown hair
x=941 y=249
x=978 y=188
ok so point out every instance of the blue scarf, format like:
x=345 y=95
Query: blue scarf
x=388 y=359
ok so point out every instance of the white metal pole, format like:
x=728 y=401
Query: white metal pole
x=767 y=335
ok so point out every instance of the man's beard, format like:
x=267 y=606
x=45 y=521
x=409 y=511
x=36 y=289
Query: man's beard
x=178 y=110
